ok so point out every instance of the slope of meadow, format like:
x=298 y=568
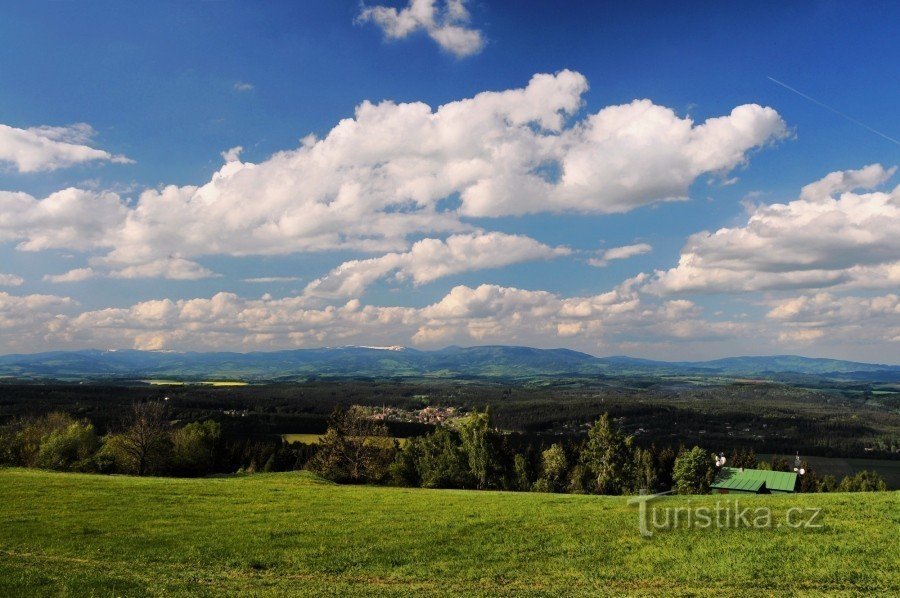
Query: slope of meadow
x=293 y=533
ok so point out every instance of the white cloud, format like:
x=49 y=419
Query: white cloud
x=867 y=177
x=431 y=259
x=49 y=148
x=172 y=268
x=830 y=237
x=26 y=321
x=825 y=317
x=379 y=179
x=69 y=219
x=466 y=315
x=10 y=280
x=620 y=253
x=445 y=22
x=616 y=322
x=827 y=309
x=243 y=86
x=267 y=279
x=232 y=154
x=74 y=275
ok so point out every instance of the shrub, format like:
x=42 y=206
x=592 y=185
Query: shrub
x=25 y=444
x=68 y=448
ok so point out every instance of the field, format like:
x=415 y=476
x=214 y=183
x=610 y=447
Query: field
x=292 y=533
x=315 y=438
x=302 y=438
x=216 y=383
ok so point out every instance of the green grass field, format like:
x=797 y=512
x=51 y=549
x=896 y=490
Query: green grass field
x=265 y=534
x=216 y=383
x=316 y=438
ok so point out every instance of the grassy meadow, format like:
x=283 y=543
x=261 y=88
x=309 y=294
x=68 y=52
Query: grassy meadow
x=316 y=438
x=215 y=383
x=292 y=533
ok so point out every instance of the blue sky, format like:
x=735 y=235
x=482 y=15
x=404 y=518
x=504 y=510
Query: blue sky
x=171 y=86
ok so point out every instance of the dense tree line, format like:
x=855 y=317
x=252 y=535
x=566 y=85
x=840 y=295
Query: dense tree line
x=474 y=455
x=767 y=417
x=470 y=454
x=144 y=443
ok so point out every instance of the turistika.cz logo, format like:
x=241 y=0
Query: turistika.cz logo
x=657 y=515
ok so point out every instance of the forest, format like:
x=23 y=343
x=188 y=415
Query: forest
x=468 y=453
x=723 y=415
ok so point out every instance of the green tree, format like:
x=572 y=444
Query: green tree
x=780 y=463
x=195 y=446
x=521 y=473
x=355 y=448
x=828 y=483
x=441 y=461
x=480 y=445
x=69 y=448
x=8 y=453
x=809 y=481
x=742 y=458
x=863 y=481
x=144 y=445
x=694 y=471
x=645 y=476
x=404 y=471
x=554 y=467
x=664 y=460
x=607 y=458
x=579 y=480
x=30 y=433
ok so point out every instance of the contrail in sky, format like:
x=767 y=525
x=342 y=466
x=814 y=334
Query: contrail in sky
x=838 y=112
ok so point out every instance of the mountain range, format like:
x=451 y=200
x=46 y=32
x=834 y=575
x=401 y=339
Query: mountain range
x=488 y=362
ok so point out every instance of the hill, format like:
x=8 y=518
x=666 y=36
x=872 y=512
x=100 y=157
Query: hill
x=485 y=362
x=73 y=534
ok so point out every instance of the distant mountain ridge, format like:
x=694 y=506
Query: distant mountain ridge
x=490 y=362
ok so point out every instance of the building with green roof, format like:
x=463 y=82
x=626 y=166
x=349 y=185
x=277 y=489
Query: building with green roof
x=753 y=481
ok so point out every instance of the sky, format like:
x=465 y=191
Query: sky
x=644 y=178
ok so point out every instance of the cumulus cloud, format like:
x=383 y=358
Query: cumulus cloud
x=466 y=315
x=622 y=320
x=243 y=86
x=852 y=319
x=826 y=308
x=46 y=148
x=829 y=237
x=620 y=253
x=431 y=259
x=73 y=219
x=445 y=22
x=382 y=177
x=26 y=321
x=10 y=280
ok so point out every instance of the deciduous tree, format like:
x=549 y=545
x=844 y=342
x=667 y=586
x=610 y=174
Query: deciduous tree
x=694 y=471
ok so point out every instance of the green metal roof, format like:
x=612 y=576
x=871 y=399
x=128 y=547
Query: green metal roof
x=751 y=480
